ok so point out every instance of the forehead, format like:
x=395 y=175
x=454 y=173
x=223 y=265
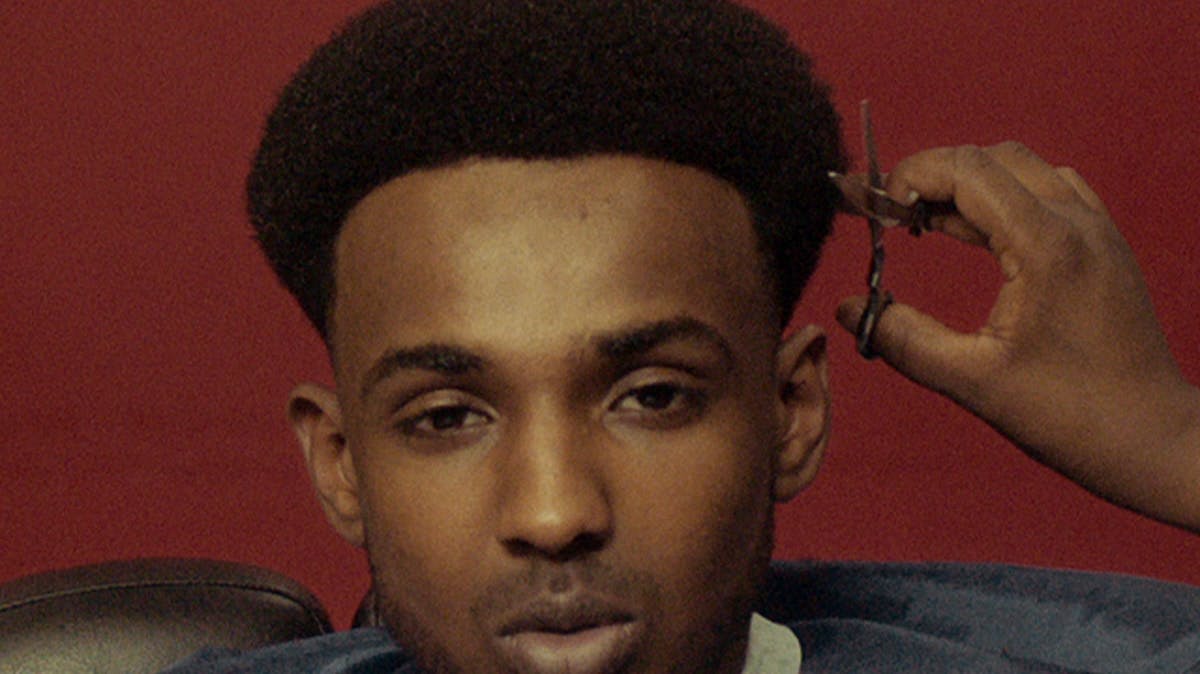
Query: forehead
x=533 y=253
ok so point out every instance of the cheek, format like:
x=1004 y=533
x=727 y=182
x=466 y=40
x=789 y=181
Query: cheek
x=703 y=532
x=707 y=509
x=424 y=542
x=421 y=509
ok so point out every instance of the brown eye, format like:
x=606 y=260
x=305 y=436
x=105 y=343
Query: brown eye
x=660 y=400
x=448 y=417
x=445 y=419
x=660 y=406
x=657 y=397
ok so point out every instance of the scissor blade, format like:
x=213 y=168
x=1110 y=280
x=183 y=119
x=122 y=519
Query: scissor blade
x=874 y=177
x=859 y=198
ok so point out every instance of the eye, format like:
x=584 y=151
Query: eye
x=660 y=405
x=444 y=420
x=655 y=397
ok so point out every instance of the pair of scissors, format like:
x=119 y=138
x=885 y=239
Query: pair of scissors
x=865 y=197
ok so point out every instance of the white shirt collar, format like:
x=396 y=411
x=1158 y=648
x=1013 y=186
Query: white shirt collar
x=773 y=648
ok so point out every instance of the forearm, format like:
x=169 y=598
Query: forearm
x=1153 y=464
x=1136 y=445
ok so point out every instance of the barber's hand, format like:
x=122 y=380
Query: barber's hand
x=1071 y=364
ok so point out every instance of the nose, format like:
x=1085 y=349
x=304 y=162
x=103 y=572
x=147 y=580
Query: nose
x=553 y=494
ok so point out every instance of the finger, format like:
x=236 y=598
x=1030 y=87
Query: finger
x=937 y=219
x=1062 y=189
x=986 y=193
x=922 y=348
x=1039 y=177
x=955 y=226
x=1085 y=192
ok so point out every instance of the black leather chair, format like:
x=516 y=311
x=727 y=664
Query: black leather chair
x=142 y=615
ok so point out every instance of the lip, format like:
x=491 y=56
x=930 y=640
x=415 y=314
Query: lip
x=576 y=634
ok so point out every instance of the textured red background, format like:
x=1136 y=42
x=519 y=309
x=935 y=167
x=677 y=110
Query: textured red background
x=145 y=350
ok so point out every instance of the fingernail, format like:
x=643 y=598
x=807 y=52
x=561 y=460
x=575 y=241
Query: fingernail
x=911 y=198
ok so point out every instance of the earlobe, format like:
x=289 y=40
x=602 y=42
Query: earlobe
x=803 y=399
x=316 y=418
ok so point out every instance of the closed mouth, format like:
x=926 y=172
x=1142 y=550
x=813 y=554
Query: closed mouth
x=579 y=634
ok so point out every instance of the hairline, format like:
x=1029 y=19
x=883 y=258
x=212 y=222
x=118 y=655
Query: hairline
x=766 y=270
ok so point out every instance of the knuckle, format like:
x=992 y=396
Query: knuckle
x=916 y=163
x=1066 y=251
x=1068 y=173
x=971 y=158
x=1014 y=148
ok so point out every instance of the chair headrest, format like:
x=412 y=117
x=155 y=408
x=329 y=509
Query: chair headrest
x=142 y=615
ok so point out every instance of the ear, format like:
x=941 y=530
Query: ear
x=316 y=417
x=803 y=400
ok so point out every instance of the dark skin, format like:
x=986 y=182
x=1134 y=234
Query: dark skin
x=564 y=414
x=1071 y=364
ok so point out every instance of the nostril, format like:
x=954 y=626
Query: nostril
x=584 y=544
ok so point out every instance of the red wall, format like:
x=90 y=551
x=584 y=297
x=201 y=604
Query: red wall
x=145 y=350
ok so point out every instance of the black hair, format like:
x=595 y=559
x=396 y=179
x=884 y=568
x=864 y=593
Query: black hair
x=414 y=84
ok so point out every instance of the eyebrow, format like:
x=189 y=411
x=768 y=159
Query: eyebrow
x=632 y=342
x=617 y=345
x=438 y=358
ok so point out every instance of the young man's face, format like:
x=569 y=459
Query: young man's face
x=563 y=414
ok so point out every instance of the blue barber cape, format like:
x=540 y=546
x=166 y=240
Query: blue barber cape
x=886 y=617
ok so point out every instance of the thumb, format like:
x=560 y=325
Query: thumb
x=921 y=348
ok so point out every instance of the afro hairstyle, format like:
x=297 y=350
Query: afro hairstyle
x=419 y=84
